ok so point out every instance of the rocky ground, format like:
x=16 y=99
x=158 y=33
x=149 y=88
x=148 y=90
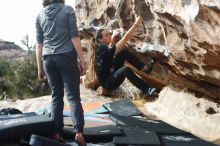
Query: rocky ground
x=196 y=115
x=30 y=105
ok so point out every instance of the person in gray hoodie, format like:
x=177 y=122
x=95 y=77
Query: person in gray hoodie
x=57 y=50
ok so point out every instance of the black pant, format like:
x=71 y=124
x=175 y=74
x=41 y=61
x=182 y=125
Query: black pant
x=121 y=72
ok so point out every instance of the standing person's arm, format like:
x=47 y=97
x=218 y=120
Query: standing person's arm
x=76 y=40
x=128 y=35
x=78 y=47
x=39 y=48
x=41 y=73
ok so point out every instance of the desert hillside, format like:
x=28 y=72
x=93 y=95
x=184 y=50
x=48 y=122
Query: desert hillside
x=10 y=51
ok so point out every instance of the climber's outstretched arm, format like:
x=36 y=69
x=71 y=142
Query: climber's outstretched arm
x=128 y=35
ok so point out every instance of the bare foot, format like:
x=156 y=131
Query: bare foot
x=79 y=139
x=57 y=137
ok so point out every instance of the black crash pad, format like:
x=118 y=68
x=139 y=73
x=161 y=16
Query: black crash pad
x=159 y=127
x=11 y=129
x=123 y=107
x=136 y=136
x=183 y=140
x=37 y=140
x=93 y=132
x=102 y=131
x=9 y=111
x=16 y=116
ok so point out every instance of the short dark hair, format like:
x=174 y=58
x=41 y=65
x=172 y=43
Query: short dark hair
x=48 y=2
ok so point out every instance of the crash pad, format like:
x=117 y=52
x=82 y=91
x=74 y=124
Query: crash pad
x=136 y=136
x=123 y=107
x=11 y=129
x=159 y=127
x=37 y=140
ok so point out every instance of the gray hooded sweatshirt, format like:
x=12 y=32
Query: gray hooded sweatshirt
x=55 y=26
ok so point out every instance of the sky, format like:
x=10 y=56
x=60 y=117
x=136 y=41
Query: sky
x=18 y=19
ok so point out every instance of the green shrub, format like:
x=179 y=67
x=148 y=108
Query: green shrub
x=5 y=69
x=27 y=82
x=20 y=79
x=6 y=74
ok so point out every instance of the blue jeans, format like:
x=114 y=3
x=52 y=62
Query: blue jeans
x=63 y=73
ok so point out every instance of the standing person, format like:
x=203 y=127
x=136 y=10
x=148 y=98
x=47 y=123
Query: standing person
x=107 y=57
x=57 y=49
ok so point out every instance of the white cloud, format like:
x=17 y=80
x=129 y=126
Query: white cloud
x=18 y=18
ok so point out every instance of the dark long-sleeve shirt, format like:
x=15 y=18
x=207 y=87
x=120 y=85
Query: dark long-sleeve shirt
x=104 y=62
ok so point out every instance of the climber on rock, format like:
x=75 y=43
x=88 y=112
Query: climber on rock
x=107 y=57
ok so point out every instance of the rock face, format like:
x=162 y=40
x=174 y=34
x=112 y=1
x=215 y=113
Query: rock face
x=182 y=35
x=183 y=110
x=191 y=32
x=10 y=51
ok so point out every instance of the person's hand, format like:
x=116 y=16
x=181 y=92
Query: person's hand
x=143 y=9
x=139 y=20
x=116 y=33
x=82 y=68
x=41 y=74
x=115 y=36
x=140 y=8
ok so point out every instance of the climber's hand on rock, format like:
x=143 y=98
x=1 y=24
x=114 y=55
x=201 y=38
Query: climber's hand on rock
x=140 y=8
x=116 y=35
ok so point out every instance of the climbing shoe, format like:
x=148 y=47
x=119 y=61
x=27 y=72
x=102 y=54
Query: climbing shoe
x=152 y=91
x=150 y=66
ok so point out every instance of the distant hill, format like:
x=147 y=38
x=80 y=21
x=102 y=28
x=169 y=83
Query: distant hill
x=9 y=51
